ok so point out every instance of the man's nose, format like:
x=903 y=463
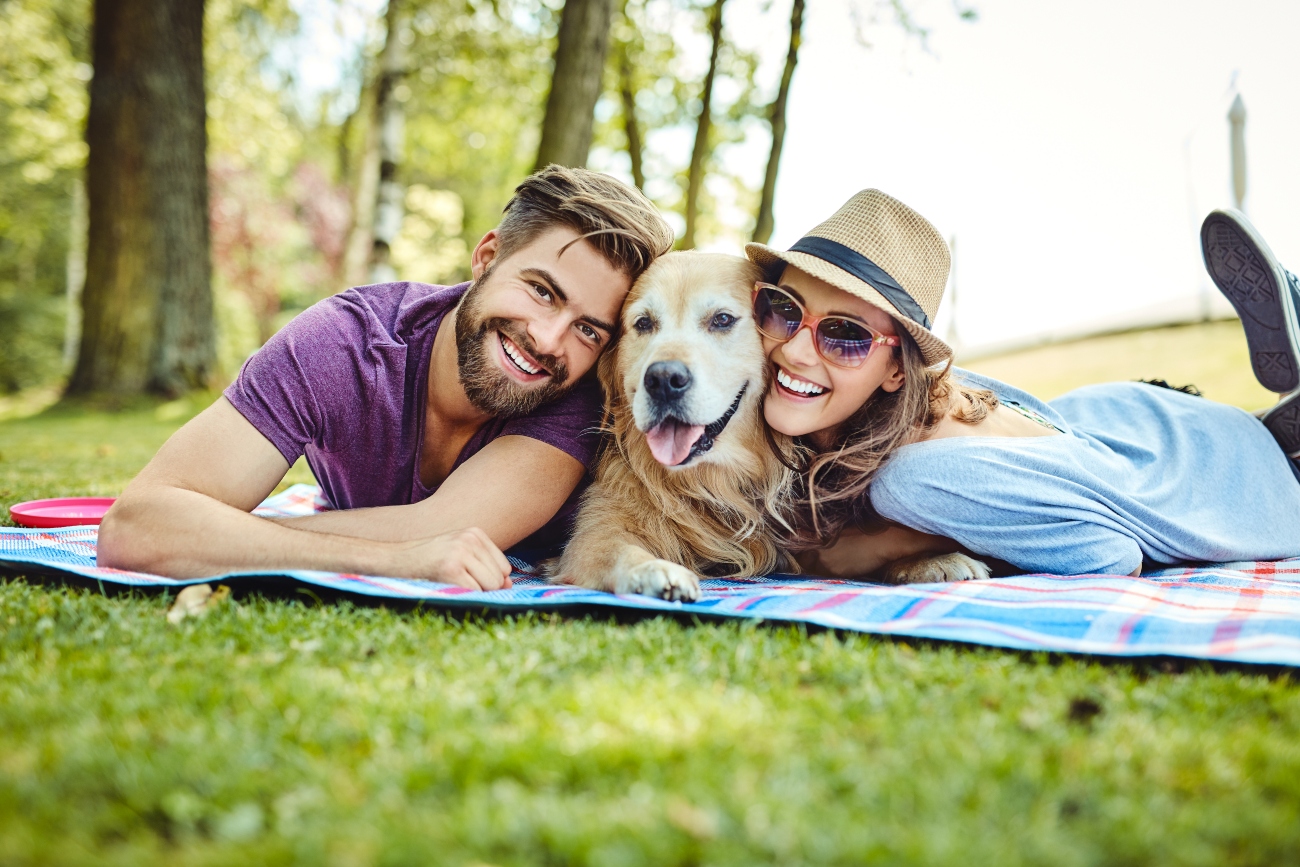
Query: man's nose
x=547 y=334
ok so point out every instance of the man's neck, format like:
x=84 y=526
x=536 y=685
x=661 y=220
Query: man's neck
x=446 y=404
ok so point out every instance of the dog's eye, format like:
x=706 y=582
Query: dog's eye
x=721 y=321
x=643 y=324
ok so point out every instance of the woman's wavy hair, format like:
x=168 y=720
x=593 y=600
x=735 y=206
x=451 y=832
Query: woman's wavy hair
x=831 y=493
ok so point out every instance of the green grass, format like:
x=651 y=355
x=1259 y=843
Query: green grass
x=277 y=731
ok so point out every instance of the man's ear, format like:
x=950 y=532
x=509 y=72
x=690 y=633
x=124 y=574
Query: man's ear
x=484 y=254
x=894 y=376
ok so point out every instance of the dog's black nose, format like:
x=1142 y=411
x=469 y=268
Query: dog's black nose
x=667 y=380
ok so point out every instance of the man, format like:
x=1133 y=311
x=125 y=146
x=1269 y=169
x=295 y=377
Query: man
x=443 y=423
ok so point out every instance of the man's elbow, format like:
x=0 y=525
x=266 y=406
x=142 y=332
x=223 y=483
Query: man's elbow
x=121 y=545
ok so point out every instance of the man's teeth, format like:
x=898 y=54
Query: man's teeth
x=796 y=384
x=517 y=358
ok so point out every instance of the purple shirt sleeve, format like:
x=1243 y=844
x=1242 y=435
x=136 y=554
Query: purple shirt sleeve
x=306 y=381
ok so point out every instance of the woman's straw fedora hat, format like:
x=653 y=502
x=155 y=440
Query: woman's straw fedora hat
x=882 y=251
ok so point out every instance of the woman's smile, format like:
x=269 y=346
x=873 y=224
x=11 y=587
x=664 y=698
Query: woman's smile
x=795 y=387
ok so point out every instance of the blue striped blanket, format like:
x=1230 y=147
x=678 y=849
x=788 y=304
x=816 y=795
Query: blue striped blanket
x=1239 y=612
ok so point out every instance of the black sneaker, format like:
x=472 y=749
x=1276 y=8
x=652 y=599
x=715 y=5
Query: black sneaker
x=1283 y=422
x=1264 y=294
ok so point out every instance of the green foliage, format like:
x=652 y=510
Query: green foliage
x=667 y=73
x=474 y=99
x=278 y=220
x=43 y=75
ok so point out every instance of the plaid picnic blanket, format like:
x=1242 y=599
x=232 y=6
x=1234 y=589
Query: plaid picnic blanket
x=1239 y=612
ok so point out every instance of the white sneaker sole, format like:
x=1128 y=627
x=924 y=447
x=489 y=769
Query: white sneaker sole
x=1249 y=276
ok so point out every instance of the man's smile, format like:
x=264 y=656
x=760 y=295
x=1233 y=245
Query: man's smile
x=519 y=363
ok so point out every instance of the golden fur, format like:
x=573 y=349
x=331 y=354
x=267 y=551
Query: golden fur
x=712 y=515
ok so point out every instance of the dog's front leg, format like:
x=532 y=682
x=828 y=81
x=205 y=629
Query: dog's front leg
x=615 y=563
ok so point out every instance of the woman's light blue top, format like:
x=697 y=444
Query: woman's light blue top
x=1140 y=472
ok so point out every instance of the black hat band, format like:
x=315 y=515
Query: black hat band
x=850 y=260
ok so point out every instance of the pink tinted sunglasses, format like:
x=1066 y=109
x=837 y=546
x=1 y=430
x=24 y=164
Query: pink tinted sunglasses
x=841 y=341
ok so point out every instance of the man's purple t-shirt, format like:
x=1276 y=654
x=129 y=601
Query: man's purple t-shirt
x=345 y=383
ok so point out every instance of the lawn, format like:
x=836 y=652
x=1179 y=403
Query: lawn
x=283 y=731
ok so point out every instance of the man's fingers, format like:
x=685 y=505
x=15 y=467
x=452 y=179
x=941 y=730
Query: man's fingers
x=484 y=561
x=494 y=571
x=498 y=558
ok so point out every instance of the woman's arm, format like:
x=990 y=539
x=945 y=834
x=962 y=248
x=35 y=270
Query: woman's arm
x=856 y=553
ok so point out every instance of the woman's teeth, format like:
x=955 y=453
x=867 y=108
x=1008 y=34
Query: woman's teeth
x=517 y=358
x=797 y=385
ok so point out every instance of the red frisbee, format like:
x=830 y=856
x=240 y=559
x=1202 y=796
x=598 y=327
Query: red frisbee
x=60 y=512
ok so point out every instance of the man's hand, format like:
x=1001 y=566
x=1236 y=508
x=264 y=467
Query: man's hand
x=466 y=558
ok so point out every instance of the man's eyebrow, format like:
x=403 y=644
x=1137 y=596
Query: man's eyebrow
x=551 y=282
x=554 y=286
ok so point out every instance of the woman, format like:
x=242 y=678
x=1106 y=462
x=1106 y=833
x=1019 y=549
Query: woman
x=1100 y=480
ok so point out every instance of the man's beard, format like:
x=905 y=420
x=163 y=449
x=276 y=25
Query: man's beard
x=487 y=387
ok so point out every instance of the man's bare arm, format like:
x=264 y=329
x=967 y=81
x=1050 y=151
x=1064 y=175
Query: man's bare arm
x=510 y=489
x=186 y=515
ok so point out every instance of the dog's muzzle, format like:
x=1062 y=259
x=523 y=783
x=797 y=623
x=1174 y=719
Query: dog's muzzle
x=673 y=441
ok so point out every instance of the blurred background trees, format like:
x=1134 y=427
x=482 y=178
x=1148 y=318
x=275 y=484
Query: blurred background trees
x=388 y=159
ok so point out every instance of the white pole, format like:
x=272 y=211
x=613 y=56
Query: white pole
x=1237 y=131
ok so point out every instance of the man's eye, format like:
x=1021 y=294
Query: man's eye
x=721 y=321
x=589 y=333
x=643 y=325
x=542 y=291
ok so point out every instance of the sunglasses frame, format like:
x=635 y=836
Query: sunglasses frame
x=812 y=322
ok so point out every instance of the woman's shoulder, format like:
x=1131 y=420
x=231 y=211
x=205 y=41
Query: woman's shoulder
x=977 y=465
x=1011 y=395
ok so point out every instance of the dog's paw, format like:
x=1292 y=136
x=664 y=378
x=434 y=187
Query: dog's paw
x=663 y=579
x=935 y=569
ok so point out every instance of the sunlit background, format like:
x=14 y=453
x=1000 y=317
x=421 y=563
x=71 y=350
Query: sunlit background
x=1068 y=150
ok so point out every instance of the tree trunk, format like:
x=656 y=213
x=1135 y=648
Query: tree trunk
x=390 y=121
x=361 y=239
x=627 y=91
x=776 y=116
x=700 y=153
x=147 y=305
x=580 y=54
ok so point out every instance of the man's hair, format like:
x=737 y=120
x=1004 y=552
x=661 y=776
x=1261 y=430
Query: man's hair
x=618 y=220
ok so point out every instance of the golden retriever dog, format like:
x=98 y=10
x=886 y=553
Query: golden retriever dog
x=688 y=483
x=691 y=483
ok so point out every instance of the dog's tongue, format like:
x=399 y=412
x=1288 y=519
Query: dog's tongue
x=670 y=441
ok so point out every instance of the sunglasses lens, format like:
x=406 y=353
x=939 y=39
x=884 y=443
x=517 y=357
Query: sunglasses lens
x=843 y=342
x=776 y=313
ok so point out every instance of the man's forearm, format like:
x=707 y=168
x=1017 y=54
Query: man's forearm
x=379 y=524
x=183 y=534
